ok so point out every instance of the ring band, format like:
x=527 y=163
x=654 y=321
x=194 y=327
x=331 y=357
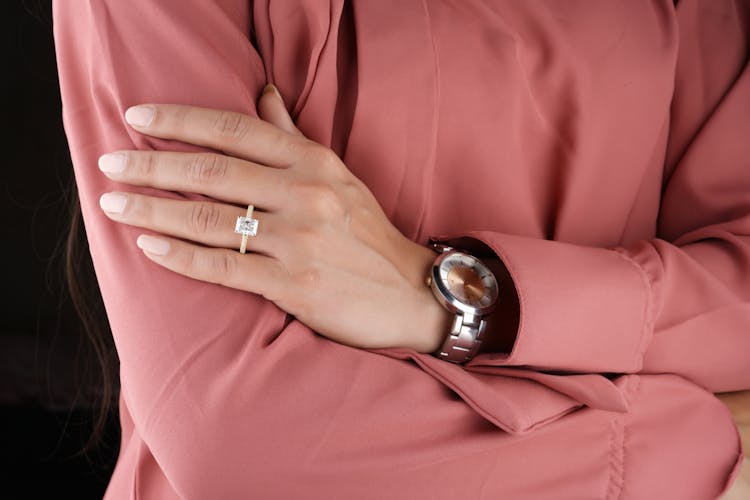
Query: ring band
x=246 y=226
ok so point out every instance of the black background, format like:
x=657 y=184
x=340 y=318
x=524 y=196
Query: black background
x=45 y=417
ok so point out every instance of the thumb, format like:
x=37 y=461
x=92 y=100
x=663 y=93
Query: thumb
x=271 y=108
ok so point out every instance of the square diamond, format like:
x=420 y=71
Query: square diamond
x=246 y=226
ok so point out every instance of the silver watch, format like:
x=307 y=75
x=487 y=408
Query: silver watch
x=466 y=286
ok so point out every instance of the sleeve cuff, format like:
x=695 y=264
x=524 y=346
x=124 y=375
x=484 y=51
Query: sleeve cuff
x=581 y=309
x=585 y=319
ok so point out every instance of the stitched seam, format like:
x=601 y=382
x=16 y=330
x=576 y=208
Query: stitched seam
x=616 y=460
x=435 y=128
x=646 y=320
x=618 y=442
x=633 y=393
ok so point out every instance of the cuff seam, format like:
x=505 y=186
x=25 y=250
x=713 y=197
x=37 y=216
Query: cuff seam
x=642 y=344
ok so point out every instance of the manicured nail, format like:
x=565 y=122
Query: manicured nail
x=271 y=88
x=140 y=116
x=111 y=202
x=153 y=245
x=112 y=162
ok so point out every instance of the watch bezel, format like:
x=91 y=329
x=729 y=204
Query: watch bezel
x=451 y=301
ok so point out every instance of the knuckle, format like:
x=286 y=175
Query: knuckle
x=324 y=158
x=319 y=199
x=147 y=165
x=204 y=217
x=140 y=209
x=218 y=265
x=329 y=159
x=207 y=168
x=179 y=118
x=191 y=261
x=296 y=147
x=328 y=204
x=231 y=125
x=223 y=265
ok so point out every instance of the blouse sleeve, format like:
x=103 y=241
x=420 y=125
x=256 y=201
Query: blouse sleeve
x=185 y=346
x=193 y=354
x=112 y=55
x=196 y=357
x=675 y=303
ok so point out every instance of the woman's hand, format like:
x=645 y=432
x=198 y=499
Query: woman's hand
x=324 y=251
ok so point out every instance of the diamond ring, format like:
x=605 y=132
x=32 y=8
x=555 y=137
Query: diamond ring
x=246 y=226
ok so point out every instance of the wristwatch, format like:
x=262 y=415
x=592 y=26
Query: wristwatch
x=466 y=286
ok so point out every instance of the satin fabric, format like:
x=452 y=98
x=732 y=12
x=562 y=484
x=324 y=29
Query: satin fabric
x=599 y=149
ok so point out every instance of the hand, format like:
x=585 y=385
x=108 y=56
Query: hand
x=324 y=251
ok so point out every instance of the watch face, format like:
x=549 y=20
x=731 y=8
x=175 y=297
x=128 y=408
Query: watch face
x=469 y=280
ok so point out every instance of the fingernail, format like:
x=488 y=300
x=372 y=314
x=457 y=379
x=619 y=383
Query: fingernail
x=112 y=162
x=272 y=88
x=111 y=202
x=153 y=245
x=140 y=116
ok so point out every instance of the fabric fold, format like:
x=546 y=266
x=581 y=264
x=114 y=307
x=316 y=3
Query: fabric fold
x=518 y=400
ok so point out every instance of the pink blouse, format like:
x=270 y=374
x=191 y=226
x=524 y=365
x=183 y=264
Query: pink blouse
x=601 y=150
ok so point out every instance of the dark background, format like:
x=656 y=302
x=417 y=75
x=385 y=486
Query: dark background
x=46 y=368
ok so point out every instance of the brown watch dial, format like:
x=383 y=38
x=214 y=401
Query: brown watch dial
x=469 y=280
x=465 y=283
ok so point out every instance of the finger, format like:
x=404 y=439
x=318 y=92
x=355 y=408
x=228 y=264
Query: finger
x=235 y=133
x=205 y=222
x=250 y=272
x=222 y=177
x=271 y=108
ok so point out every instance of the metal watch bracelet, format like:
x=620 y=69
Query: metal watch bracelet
x=464 y=340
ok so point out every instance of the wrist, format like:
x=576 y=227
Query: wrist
x=430 y=321
x=436 y=323
x=414 y=262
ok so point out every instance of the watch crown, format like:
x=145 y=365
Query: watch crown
x=440 y=247
x=428 y=280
